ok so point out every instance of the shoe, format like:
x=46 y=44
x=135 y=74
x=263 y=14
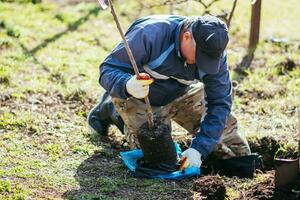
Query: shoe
x=97 y=125
x=103 y=115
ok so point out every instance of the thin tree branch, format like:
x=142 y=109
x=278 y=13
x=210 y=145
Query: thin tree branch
x=231 y=13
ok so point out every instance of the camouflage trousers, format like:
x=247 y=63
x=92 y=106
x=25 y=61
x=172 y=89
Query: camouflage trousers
x=187 y=110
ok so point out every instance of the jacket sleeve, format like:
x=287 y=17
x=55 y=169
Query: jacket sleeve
x=116 y=69
x=218 y=97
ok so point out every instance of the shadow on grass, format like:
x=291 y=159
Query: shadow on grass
x=101 y=175
x=71 y=27
x=35 y=60
x=245 y=64
x=89 y=177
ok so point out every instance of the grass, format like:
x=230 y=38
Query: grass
x=49 y=58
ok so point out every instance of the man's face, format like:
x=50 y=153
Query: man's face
x=188 y=47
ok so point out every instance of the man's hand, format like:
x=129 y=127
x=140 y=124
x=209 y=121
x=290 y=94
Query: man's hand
x=193 y=158
x=139 y=87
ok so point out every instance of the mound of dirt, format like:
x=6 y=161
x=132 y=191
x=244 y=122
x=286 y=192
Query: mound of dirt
x=262 y=190
x=265 y=190
x=267 y=148
x=210 y=187
x=286 y=66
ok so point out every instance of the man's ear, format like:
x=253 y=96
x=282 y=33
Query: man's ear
x=187 y=35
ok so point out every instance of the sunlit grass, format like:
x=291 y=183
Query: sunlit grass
x=49 y=69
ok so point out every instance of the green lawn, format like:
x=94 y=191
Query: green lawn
x=49 y=58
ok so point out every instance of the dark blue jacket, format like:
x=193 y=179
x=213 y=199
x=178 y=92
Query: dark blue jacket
x=154 y=42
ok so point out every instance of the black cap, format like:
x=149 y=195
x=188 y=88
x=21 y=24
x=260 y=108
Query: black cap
x=211 y=36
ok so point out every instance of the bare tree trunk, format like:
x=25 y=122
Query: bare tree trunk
x=255 y=25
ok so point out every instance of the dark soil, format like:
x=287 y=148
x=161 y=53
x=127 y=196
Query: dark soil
x=157 y=145
x=262 y=190
x=286 y=66
x=213 y=187
x=210 y=187
x=287 y=154
x=267 y=148
x=266 y=190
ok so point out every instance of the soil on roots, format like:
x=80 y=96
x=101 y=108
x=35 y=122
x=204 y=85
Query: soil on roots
x=157 y=145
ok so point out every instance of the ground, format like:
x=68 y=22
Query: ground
x=49 y=58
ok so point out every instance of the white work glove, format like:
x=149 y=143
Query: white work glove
x=193 y=158
x=139 y=87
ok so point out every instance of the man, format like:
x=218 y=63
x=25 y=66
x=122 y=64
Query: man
x=176 y=52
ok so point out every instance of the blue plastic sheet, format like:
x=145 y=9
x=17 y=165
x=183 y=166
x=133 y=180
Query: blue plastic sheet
x=130 y=159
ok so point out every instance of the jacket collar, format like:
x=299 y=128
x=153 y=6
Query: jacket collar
x=177 y=40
